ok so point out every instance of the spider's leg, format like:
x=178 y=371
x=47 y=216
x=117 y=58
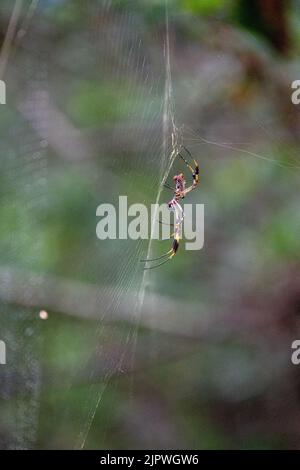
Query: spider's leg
x=169 y=255
x=160 y=264
x=156 y=259
x=165 y=223
x=179 y=215
x=195 y=171
x=166 y=185
x=170 y=237
x=186 y=162
x=190 y=155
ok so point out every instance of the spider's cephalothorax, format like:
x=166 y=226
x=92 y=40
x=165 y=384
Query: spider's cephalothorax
x=180 y=191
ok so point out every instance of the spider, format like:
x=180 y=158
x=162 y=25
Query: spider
x=180 y=191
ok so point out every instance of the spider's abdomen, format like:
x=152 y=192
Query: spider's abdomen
x=196 y=175
x=175 y=245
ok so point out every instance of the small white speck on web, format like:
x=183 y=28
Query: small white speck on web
x=43 y=315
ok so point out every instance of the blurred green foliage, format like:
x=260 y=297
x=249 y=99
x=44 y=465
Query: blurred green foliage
x=216 y=393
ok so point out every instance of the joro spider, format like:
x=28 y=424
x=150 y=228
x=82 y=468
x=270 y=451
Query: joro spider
x=180 y=191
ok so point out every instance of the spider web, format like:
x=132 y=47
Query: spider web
x=111 y=37
x=163 y=150
x=24 y=158
x=131 y=154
